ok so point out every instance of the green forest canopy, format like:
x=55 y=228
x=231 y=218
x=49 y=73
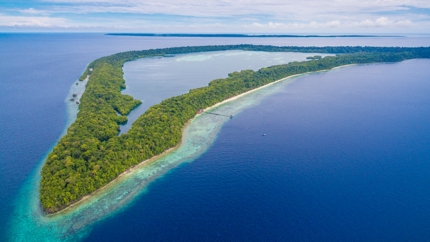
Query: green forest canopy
x=92 y=153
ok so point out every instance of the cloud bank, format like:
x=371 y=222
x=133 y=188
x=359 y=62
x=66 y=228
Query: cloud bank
x=250 y=16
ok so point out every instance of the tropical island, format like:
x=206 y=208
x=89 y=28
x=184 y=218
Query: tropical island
x=92 y=153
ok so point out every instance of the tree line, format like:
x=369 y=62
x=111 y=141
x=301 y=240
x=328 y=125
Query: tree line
x=92 y=153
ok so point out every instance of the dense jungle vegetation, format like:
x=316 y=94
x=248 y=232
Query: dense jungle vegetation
x=92 y=153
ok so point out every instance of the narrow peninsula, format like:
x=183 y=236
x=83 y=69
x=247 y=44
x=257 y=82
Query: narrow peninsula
x=92 y=153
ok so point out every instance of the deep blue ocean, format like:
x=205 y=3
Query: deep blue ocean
x=346 y=156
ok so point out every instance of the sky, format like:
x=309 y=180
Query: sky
x=217 y=16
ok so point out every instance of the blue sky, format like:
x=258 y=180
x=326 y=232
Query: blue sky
x=217 y=16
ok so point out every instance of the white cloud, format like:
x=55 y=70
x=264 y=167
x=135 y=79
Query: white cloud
x=280 y=8
x=332 y=24
x=379 y=22
x=226 y=15
x=382 y=22
x=20 y=21
x=32 y=11
x=404 y=23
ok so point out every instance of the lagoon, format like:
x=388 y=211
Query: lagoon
x=152 y=80
x=203 y=200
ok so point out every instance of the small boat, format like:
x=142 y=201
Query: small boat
x=263 y=135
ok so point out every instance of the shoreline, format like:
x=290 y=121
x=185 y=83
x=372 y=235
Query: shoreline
x=338 y=67
x=117 y=179
x=79 y=202
x=264 y=86
x=55 y=198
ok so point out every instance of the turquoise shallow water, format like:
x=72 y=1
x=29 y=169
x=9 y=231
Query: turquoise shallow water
x=35 y=86
x=75 y=223
x=78 y=223
x=345 y=158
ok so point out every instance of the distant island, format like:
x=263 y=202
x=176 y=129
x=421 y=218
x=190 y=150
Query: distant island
x=251 y=35
x=92 y=153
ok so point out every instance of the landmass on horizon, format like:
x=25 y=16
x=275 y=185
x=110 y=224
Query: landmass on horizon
x=253 y=35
